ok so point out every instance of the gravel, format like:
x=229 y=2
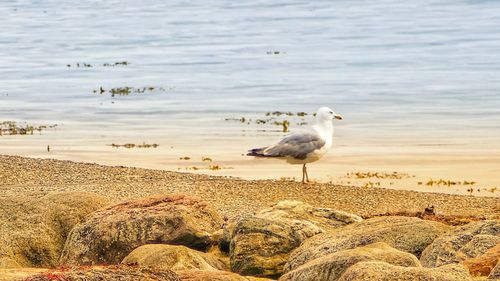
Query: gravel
x=233 y=197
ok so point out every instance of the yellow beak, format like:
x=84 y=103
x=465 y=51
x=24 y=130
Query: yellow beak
x=338 y=117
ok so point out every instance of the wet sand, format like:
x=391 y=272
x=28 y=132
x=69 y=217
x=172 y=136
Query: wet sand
x=233 y=197
x=480 y=165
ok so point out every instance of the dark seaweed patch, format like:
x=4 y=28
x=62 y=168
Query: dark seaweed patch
x=125 y=91
x=132 y=145
x=14 y=128
x=88 y=65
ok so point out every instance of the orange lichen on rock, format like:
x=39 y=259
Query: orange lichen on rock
x=484 y=264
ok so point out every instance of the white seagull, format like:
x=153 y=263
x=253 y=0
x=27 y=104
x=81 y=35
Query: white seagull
x=304 y=147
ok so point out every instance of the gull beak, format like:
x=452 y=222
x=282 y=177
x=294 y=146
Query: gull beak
x=338 y=117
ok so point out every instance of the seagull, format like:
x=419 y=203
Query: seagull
x=303 y=147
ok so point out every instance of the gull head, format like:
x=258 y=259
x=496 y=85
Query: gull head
x=327 y=114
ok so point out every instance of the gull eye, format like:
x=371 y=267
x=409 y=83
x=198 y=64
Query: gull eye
x=331 y=112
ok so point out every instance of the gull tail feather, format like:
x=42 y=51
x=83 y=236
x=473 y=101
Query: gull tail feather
x=258 y=152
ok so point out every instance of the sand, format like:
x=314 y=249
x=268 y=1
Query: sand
x=233 y=197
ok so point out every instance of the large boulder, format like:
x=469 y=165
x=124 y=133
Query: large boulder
x=260 y=245
x=34 y=229
x=108 y=273
x=484 y=264
x=383 y=271
x=172 y=257
x=306 y=219
x=303 y=215
x=331 y=267
x=468 y=241
x=109 y=235
x=407 y=234
x=201 y=275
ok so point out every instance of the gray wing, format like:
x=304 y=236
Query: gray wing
x=296 y=146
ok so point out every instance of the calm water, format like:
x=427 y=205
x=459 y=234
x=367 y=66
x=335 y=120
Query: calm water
x=402 y=74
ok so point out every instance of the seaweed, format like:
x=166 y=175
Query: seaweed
x=107 y=64
x=378 y=175
x=206 y=159
x=214 y=167
x=443 y=182
x=14 y=128
x=125 y=91
x=132 y=145
x=275 y=52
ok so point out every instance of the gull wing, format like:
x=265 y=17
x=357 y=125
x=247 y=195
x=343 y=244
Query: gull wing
x=296 y=145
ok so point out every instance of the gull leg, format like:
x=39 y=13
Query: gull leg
x=307 y=176
x=303 y=173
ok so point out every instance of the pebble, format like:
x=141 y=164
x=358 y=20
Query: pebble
x=233 y=197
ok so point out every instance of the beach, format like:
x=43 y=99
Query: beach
x=44 y=202
x=233 y=197
x=128 y=131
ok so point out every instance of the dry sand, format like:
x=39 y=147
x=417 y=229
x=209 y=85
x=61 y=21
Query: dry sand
x=233 y=197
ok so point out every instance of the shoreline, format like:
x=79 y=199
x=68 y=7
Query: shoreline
x=423 y=164
x=233 y=197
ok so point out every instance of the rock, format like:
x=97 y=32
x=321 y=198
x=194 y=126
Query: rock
x=108 y=273
x=331 y=267
x=111 y=234
x=468 y=241
x=383 y=271
x=223 y=257
x=172 y=257
x=484 y=264
x=20 y=273
x=260 y=245
x=300 y=212
x=407 y=234
x=227 y=231
x=218 y=235
x=495 y=273
x=199 y=275
x=41 y=226
x=6 y=262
